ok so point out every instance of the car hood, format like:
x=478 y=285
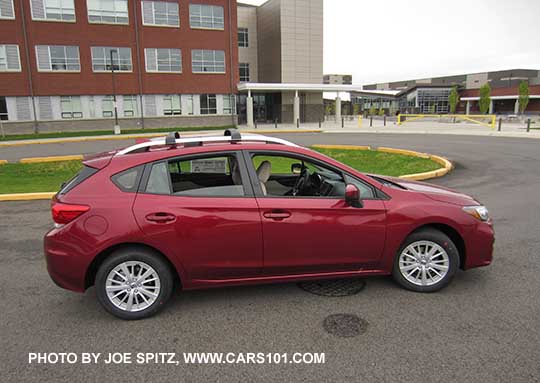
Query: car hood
x=435 y=192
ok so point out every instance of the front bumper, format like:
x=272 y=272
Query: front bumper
x=479 y=246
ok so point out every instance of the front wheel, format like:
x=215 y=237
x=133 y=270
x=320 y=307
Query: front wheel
x=133 y=283
x=426 y=262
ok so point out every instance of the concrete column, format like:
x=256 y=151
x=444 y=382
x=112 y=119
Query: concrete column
x=516 y=107
x=490 y=106
x=249 y=111
x=338 y=109
x=296 y=108
x=468 y=108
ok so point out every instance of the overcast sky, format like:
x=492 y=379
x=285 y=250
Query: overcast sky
x=378 y=41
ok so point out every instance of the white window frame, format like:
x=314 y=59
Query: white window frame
x=132 y=100
x=173 y=111
x=231 y=99
x=45 y=18
x=156 y=58
x=214 y=19
x=65 y=56
x=101 y=13
x=105 y=101
x=12 y=11
x=244 y=66
x=243 y=31
x=208 y=109
x=78 y=113
x=209 y=64
x=107 y=57
x=153 y=23
x=3 y=48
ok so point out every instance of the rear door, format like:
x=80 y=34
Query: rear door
x=204 y=209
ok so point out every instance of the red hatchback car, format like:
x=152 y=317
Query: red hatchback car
x=213 y=211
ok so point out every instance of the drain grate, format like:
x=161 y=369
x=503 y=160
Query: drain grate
x=334 y=287
x=345 y=325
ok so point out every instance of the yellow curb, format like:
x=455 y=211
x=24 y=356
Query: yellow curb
x=447 y=165
x=26 y=196
x=133 y=136
x=33 y=160
x=3 y=162
x=403 y=151
x=344 y=147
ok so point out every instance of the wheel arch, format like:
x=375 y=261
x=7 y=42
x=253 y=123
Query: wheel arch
x=451 y=233
x=98 y=260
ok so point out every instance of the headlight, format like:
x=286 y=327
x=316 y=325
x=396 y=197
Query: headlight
x=478 y=212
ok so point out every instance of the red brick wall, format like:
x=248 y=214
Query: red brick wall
x=86 y=35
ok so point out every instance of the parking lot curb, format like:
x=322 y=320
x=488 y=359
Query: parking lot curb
x=134 y=136
x=34 y=160
x=26 y=196
x=3 y=162
x=447 y=166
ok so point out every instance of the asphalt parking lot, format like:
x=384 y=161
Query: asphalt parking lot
x=485 y=327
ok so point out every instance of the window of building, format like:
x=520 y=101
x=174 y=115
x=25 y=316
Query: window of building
x=163 y=60
x=108 y=11
x=189 y=104
x=9 y=58
x=3 y=109
x=244 y=72
x=107 y=106
x=208 y=104
x=212 y=176
x=206 y=16
x=243 y=38
x=131 y=108
x=70 y=107
x=172 y=105
x=58 y=58
x=229 y=104
x=53 y=10
x=207 y=61
x=160 y=13
x=121 y=59
x=6 y=9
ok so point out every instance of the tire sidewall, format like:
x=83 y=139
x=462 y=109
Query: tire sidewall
x=141 y=255
x=442 y=240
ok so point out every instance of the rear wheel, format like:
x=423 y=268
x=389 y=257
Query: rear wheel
x=133 y=283
x=426 y=262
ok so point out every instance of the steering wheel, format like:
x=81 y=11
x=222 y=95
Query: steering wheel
x=300 y=182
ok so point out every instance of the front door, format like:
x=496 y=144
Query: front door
x=309 y=228
x=203 y=209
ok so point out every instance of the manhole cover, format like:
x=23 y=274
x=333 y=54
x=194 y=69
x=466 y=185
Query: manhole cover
x=345 y=325
x=334 y=287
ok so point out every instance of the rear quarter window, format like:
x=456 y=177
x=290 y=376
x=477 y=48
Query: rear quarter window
x=128 y=180
x=85 y=173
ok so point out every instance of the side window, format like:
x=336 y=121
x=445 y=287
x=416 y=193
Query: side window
x=217 y=176
x=128 y=180
x=285 y=176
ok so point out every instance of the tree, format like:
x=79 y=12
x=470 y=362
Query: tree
x=453 y=100
x=372 y=110
x=523 y=96
x=381 y=112
x=485 y=98
x=356 y=109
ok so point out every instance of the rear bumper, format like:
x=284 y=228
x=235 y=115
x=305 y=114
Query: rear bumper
x=479 y=246
x=65 y=263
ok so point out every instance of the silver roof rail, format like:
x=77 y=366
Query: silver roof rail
x=232 y=137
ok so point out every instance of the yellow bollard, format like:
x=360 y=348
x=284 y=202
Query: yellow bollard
x=360 y=121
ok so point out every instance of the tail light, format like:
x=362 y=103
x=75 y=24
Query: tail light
x=63 y=213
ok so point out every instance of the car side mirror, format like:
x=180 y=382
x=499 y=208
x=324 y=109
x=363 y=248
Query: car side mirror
x=296 y=168
x=352 y=196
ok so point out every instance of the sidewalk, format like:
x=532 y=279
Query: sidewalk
x=414 y=127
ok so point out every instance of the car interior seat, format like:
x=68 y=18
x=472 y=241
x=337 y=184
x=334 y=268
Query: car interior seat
x=263 y=172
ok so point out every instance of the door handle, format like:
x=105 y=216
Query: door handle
x=160 y=217
x=277 y=215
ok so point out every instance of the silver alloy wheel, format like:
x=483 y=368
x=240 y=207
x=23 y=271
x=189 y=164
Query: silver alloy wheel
x=133 y=286
x=424 y=263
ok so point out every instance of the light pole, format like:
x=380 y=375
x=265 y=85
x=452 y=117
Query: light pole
x=116 y=126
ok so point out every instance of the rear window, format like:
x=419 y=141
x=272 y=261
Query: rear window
x=85 y=173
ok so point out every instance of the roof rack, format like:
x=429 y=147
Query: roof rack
x=231 y=136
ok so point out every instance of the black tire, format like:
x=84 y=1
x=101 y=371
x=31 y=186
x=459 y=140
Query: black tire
x=442 y=240
x=135 y=254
